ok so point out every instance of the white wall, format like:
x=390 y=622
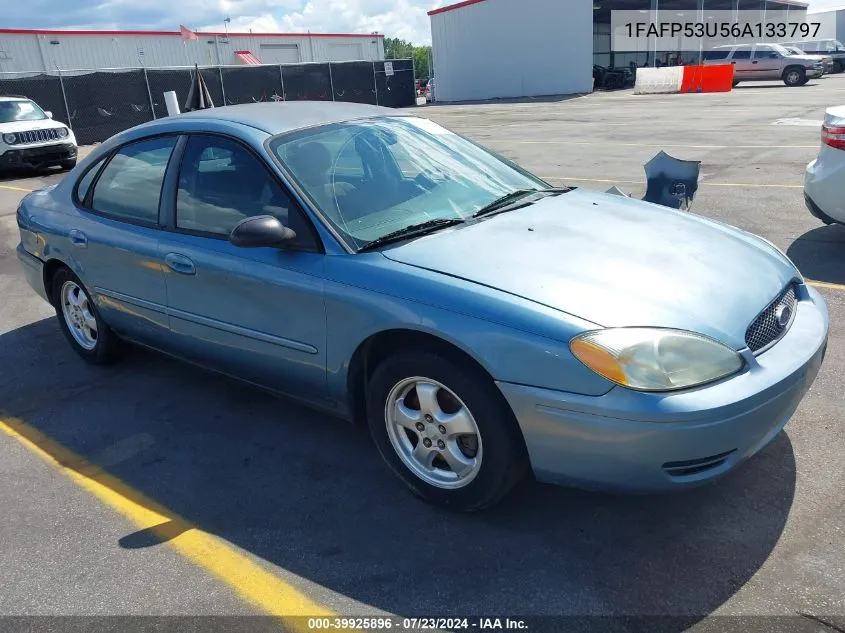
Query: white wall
x=513 y=48
x=36 y=52
x=832 y=24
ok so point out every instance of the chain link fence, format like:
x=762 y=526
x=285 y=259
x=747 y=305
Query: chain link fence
x=98 y=104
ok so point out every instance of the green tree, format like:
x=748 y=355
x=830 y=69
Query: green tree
x=395 y=48
x=421 y=57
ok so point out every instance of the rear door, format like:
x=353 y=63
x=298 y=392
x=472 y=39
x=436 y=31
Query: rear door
x=116 y=238
x=255 y=313
x=741 y=59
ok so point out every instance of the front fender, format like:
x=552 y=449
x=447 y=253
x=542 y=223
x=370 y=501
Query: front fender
x=507 y=350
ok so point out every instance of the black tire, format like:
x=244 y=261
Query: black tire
x=736 y=83
x=108 y=346
x=503 y=456
x=838 y=67
x=795 y=76
x=67 y=165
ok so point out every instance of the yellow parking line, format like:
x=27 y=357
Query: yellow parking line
x=245 y=577
x=642 y=182
x=11 y=188
x=825 y=284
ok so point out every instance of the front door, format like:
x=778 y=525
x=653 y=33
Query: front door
x=257 y=314
x=767 y=63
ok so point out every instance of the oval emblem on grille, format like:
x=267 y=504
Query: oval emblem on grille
x=783 y=314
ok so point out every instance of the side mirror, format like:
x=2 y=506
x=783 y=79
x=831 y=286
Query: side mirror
x=49 y=114
x=260 y=230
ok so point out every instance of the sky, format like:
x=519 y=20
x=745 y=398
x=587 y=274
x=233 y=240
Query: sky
x=406 y=19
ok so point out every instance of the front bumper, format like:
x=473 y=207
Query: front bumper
x=633 y=441
x=38 y=157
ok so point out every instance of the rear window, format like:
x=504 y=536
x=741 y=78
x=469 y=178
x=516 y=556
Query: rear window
x=717 y=54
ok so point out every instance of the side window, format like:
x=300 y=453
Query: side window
x=722 y=54
x=221 y=183
x=742 y=54
x=765 y=53
x=84 y=183
x=130 y=185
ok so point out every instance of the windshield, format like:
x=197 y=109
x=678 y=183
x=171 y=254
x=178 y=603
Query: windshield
x=782 y=50
x=375 y=176
x=24 y=110
x=839 y=45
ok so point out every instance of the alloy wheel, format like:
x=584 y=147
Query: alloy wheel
x=79 y=318
x=433 y=432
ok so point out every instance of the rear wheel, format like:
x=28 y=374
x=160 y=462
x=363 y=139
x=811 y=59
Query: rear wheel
x=80 y=321
x=444 y=428
x=795 y=76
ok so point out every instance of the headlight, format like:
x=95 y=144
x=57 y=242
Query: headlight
x=655 y=359
x=10 y=139
x=63 y=132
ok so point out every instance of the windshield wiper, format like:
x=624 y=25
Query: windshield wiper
x=414 y=230
x=502 y=203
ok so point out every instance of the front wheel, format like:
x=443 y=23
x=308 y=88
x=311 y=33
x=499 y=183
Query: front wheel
x=67 y=165
x=795 y=77
x=444 y=428
x=838 y=67
x=80 y=321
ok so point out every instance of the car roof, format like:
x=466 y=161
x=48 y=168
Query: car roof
x=286 y=116
x=14 y=98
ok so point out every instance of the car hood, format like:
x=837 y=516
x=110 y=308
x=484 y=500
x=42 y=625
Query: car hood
x=26 y=126
x=615 y=261
x=807 y=58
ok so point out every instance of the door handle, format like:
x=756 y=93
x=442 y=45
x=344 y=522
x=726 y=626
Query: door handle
x=754 y=62
x=78 y=238
x=180 y=264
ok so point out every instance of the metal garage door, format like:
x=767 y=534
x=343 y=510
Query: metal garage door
x=280 y=54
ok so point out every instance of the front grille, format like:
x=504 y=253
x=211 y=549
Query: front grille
x=696 y=466
x=773 y=322
x=37 y=136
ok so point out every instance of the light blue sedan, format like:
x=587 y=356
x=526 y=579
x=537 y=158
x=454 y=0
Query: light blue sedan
x=482 y=323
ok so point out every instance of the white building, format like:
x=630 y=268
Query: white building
x=485 y=49
x=40 y=50
x=832 y=23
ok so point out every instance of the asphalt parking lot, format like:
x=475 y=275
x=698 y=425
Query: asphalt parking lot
x=153 y=488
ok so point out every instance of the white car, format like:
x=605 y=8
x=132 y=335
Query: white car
x=29 y=137
x=824 y=180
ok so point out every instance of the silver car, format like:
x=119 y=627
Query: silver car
x=766 y=62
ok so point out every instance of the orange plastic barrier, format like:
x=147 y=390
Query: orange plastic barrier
x=708 y=78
